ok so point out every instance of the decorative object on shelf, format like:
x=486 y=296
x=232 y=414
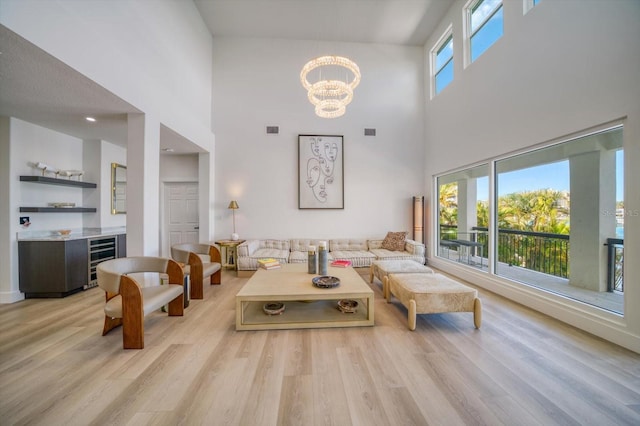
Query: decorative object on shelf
x=233 y=205
x=63 y=232
x=71 y=173
x=348 y=306
x=118 y=189
x=330 y=94
x=322 y=258
x=418 y=218
x=311 y=259
x=325 y=281
x=57 y=172
x=62 y=205
x=45 y=168
x=320 y=172
x=273 y=308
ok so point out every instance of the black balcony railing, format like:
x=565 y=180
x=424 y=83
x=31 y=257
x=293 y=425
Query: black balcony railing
x=615 y=261
x=538 y=251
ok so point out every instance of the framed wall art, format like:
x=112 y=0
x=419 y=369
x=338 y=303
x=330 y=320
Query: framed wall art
x=320 y=172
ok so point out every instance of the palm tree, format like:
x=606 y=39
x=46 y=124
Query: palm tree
x=448 y=199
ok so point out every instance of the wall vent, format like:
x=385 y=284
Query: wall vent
x=273 y=129
x=369 y=132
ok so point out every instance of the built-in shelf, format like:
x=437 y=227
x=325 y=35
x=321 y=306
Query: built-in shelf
x=57 y=210
x=60 y=182
x=55 y=181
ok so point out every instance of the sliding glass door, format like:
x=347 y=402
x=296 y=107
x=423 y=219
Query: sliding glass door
x=559 y=212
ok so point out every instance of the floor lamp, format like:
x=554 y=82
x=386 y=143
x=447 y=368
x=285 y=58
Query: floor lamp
x=418 y=218
x=233 y=205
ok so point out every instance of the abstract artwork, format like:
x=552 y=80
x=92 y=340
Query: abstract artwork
x=320 y=172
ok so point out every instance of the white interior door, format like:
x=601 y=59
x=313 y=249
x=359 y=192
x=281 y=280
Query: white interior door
x=181 y=221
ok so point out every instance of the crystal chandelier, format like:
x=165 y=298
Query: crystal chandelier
x=330 y=96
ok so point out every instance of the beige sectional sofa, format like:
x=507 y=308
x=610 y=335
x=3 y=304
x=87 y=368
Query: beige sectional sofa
x=360 y=251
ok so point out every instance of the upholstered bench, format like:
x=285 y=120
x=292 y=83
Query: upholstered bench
x=430 y=294
x=382 y=268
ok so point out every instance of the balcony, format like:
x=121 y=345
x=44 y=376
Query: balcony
x=537 y=259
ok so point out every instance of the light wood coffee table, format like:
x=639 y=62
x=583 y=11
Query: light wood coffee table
x=306 y=306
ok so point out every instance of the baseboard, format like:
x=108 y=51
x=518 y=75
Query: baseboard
x=11 y=297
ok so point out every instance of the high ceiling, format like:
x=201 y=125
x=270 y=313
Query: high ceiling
x=38 y=88
x=405 y=22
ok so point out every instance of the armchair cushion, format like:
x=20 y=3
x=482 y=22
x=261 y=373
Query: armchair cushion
x=154 y=298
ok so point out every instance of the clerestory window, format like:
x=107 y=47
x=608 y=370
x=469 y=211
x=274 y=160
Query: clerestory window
x=442 y=62
x=484 y=24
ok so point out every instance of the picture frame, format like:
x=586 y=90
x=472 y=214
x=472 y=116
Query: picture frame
x=320 y=172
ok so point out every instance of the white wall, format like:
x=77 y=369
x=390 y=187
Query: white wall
x=154 y=55
x=256 y=83
x=562 y=68
x=32 y=143
x=179 y=168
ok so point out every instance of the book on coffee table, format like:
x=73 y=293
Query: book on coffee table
x=269 y=263
x=341 y=263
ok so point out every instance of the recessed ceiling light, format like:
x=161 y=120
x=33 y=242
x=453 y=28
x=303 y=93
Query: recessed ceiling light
x=91 y=119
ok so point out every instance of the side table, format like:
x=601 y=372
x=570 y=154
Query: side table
x=230 y=252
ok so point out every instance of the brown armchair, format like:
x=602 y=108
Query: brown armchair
x=128 y=302
x=204 y=261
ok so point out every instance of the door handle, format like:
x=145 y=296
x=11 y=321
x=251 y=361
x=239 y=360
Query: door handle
x=196 y=227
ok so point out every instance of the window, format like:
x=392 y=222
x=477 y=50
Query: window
x=558 y=215
x=529 y=4
x=560 y=208
x=463 y=216
x=442 y=62
x=484 y=25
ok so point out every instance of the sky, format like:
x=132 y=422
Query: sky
x=546 y=176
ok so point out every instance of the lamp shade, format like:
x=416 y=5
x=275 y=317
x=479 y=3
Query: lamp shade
x=233 y=205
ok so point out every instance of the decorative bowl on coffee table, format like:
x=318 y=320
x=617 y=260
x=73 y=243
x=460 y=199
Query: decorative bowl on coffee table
x=325 y=281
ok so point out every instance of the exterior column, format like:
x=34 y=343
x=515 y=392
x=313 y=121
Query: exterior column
x=143 y=186
x=467 y=208
x=593 y=219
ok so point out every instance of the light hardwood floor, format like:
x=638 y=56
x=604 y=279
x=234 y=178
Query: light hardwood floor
x=521 y=368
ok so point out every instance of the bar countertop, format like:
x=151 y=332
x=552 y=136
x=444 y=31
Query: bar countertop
x=76 y=234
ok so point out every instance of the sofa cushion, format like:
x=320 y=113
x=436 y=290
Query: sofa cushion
x=348 y=244
x=394 y=241
x=302 y=257
x=383 y=254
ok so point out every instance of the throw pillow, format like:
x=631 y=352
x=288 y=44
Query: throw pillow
x=394 y=241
